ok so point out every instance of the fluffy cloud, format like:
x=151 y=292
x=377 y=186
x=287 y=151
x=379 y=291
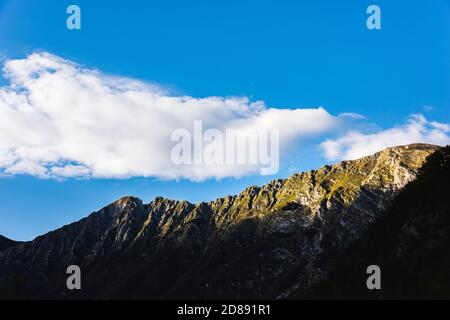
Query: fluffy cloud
x=59 y=119
x=417 y=129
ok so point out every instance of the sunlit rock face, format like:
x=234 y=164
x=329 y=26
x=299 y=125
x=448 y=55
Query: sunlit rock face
x=409 y=243
x=266 y=242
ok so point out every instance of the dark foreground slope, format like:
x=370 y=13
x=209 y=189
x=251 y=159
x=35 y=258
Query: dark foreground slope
x=266 y=242
x=410 y=243
x=6 y=243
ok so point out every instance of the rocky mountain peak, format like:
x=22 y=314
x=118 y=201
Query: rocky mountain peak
x=128 y=201
x=265 y=242
x=409 y=242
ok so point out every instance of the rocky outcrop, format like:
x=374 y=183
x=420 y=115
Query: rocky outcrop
x=410 y=243
x=266 y=242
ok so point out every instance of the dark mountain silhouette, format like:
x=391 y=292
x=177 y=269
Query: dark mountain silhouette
x=6 y=243
x=274 y=241
x=410 y=242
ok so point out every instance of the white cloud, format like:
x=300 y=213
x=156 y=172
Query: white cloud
x=417 y=129
x=59 y=119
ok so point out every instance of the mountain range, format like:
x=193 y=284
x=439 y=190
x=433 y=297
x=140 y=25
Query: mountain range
x=291 y=238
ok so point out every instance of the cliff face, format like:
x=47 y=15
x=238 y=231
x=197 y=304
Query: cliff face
x=410 y=243
x=267 y=242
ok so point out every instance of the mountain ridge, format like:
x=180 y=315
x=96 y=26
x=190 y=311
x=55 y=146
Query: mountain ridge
x=6 y=243
x=412 y=243
x=247 y=190
x=177 y=246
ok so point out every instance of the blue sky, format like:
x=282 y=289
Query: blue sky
x=290 y=54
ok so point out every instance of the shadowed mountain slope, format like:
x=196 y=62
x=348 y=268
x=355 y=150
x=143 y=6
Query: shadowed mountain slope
x=6 y=243
x=410 y=243
x=266 y=242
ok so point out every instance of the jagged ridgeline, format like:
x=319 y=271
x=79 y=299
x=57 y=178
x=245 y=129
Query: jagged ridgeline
x=410 y=243
x=275 y=241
